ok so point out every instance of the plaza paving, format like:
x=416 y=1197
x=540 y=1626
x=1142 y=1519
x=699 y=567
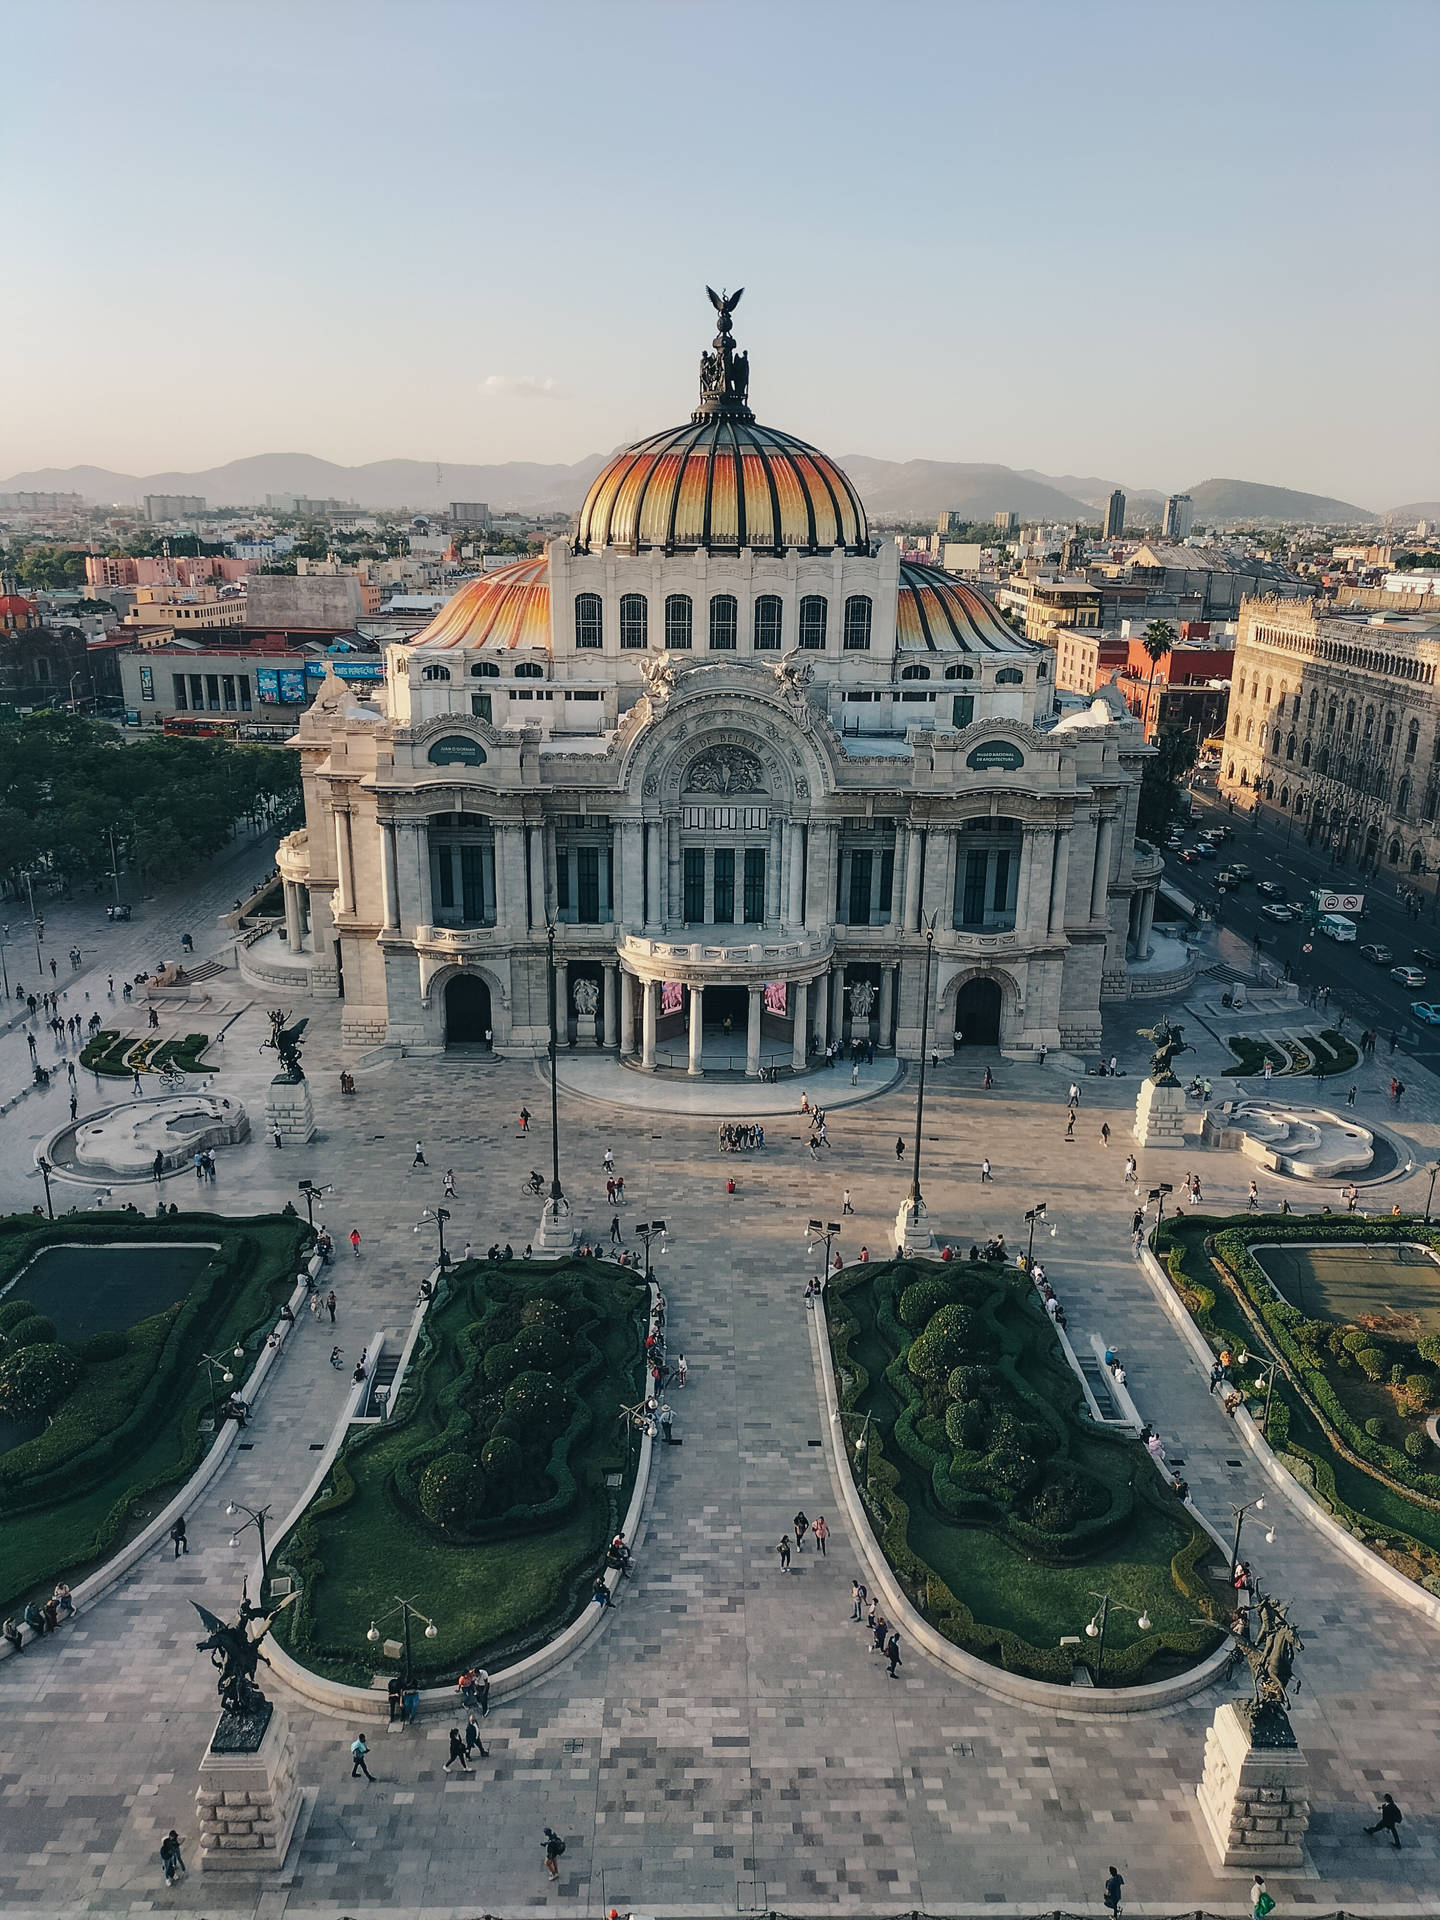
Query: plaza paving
x=726 y=1743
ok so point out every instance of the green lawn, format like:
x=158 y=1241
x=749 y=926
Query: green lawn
x=1359 y=1285
x=364 y=1543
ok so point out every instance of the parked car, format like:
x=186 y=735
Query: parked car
x=1427 y=956
x=1426 y=1012
x=1408 y=976
x=1271 y=889
x=1279 y=911
x=1378 y=956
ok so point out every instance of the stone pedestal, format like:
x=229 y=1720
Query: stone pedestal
x=556 y=1233
x=1254 y=1798
x=585 y=1030
x=1160 y=1115
x=247 y=1803
x=912 y=1229
x=288 y=1106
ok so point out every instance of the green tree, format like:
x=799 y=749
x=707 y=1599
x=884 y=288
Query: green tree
x=1157 y=640
x=1160 y=782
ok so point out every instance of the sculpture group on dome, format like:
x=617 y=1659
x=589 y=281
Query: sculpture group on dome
x=724 y=373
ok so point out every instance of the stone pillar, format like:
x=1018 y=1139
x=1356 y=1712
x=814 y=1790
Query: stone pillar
x=562 y=1003
x=1059 y=880
x=650 y=990
x=1147 y=922
x=612 y=983
x=289 y=1107
x=674 y=910
x=775 y=874
x=552 y=883
x=697 y=1030
x=1255 y=1799
x=795 y=908
x=752 y=1032
x=294 y=933
x=837 y=1003
x=887 y=1004
x=344 y=880
x=422 y=872
x=389 y=874
x=537 y=877
x=822 y=1011
x=820 y=875
x=627 y=1015
x=799 y=995
x=654 y=913
x=938 y=897
x=1160 y=1115
x=247 y=1803
x=1100 y=882
x=914 y=855
x=630 y=908
x=1032 y=888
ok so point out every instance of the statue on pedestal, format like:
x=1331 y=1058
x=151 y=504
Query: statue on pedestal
x=234 y=1649
x=285 y=1041
x=1271 y=1660
x=1169 y=1041
x=862 y=999
x=586 y=995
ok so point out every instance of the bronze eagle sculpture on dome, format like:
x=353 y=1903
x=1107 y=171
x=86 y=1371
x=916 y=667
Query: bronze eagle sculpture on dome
x=724 y=304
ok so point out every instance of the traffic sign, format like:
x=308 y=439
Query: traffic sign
x=1307 y=948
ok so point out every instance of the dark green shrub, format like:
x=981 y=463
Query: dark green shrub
x=1013 y=1469
x=1428 y=1348
x=452 y=1488
x=1420 y=1389
x=540 y=1401
x=967 y=1424
x=108 y=1344
x=952 y=1335
x=924 y=1298
x=13 y=1310
x=36 y=1330
x=508 y=1426
x=540 y=1348
x=1371 y=1362
x=1065 y=1499
x=1374 y=1428
x=502 y=1460
x=1416 y=1443
x=1397 y=1373
x=545 y=1313
x=501 y=1365
x=36 y=1379
x=972 y=1382
x=1354 y=1338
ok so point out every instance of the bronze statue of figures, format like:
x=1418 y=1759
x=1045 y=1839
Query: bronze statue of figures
x=235 y=1654
x=1169 y=1041
x=286 y=1043
x=1271 y=1660
x=724 y=373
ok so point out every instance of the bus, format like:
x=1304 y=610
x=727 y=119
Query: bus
x=200 y=726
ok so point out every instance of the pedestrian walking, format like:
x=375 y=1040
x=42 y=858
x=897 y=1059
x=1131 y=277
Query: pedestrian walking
x=473 y=1742
x=667 y=1420
x=892 y=1652
x=984 y=1173
x=857 y=1599
x=802 y=1527
x=275 y=1134
x=1074 y=1093
x=845 y=1206
x=782 y=1547
x=359 y=1747
x=136 y=1088
x=1269 y=1068
x=1130 y=1169
x=899 y=1148
x=855 y=1074
x=615 y=1229
x=70 y=1071
x=822 y=1533
x=177 y=1534
x=554 y=1847
x=1399 y=1091
x=1137 y=1220
x=1254 y=1200
x=610 y=1190
x=172 y=1863
x=1388 y=1818
x=457 y=1751
x=1113 y=1886
x=1105 y=1133
x=1070 y=1126
x=681 y=1370
x=1262 y=1901
x=1350 y=1098
x=419 y=1160
x=354 y=1248
x=331 y=1303
x=608 y=1162
x=449 y=1193
x=74 y=1105
x=524 y=1119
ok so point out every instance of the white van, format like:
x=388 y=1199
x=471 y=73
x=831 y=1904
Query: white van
x=1336 y=927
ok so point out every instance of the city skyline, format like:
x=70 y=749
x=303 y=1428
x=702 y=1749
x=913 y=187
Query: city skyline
x=465 y=269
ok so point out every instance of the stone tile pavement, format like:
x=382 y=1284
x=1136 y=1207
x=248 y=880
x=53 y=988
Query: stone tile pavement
x=727 y=1743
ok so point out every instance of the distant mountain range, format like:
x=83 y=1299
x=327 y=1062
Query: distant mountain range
x=891 y=489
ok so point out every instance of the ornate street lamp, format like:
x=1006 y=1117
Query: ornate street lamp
x=405 y=1609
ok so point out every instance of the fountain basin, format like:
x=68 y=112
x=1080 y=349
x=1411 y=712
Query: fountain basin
x=1309 y=1143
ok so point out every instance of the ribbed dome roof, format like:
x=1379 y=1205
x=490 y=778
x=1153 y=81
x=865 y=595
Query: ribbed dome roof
x=721 y=481
x=507 y=608
x=939 y=614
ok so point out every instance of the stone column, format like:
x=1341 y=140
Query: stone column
x=914 y=854
x=294 y=935
x=938 y=897
x=654 y=912
x=389 y=879
x=612 y=984
x=775 y=874
x=837 y=1003
x=629 y=909
x=343 y=878
x=627 y=1014
x=1027 y=884
x=1059 y=880
x=562 y=1002
x=537 y=877
x=650 y=990
x=422 y=872
x=822 y=1009
x=674 y=868
x=697 y=1030
x=752 y=1032
x=799 y=995
x=1147 y=921
x=1100 y=882
x=552 y=884
x=887 y=1003
x=820 y=875
x=795 y=908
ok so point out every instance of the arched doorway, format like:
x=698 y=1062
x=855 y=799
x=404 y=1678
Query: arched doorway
x=977 y=1013
x=467 y=1011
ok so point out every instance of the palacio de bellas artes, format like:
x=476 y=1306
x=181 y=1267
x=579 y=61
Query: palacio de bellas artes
x=742 y=759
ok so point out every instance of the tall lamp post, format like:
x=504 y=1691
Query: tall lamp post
x=45 y=1172
x=1096 y=1629
x=1158 y=1194
x=213 y=1365
x=439 y=1215
x=1267 y=1381
x=1433 y=1169
x=35 y=925
x=114 y=864
x=913 y=1211
x=1240 y=1513
x=1036 y=1213
x=4 y=945
x=825 y=1230
x=405 y=1609
x=557 y=1202
x=647 y=1231
x=256 y=1517
x=313 y=1195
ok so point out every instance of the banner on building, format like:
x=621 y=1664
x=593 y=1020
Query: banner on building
x=267 y=685
x=775 y=996
x=670 y=996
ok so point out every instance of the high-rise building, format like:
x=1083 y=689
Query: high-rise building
x=948 y=522
x=173 y=506
x=1007 y=522
x=1115 y=515
x=470 y=513
x=1179 y=517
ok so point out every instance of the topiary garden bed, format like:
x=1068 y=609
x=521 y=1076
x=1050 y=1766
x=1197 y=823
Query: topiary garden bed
x=1001 y=1507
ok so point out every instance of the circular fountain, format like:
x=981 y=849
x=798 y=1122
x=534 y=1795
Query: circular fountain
x=121 y=1142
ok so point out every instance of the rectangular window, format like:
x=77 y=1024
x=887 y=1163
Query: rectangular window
x=197 y=693
x=754 y=886
x=695 y=884
x=724 y=883
x=768 y=611
x=972 y=900
x=562 y=881
x=678 y=614
x=480 y=706
x=999 y=899
x=587 y=887
x=963 y=711
x=634 y=619
x=862 y=871
x=242 y=680
x=813 y=610
x=887 y=880
x=179 y=680
x=212 y=692
x=724 y=622
x=227 y=684
x=445 y=873
x=472 y=882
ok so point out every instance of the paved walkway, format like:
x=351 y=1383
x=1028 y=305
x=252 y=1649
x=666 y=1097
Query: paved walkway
x=727 y=1743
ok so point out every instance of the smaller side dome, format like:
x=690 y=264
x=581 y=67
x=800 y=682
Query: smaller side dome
x=507 y=608
x=937 y=613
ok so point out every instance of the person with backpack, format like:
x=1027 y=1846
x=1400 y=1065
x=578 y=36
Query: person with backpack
x=359 y=1747
x=1113 y=1885
x=177 y=1534
x=172 y=1864
x=1262 y=1902
x=554 y=1847
x=1389 y=1818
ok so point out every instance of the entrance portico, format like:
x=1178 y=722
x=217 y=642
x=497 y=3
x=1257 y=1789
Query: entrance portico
x=775 y=978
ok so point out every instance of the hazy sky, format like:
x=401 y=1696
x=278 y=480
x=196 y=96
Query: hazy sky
x=1155 y=242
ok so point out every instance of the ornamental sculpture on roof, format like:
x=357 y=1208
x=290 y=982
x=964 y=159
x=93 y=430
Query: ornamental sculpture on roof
x=724 y=373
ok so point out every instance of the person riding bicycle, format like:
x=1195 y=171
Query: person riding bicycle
x=536 y=1182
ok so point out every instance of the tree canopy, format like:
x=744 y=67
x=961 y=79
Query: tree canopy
x=1160 y=781
x=66 y=783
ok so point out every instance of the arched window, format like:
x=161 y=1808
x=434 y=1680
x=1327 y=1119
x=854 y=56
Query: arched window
x=1269 y=692
x=1295 y=705
x=961 y=672
x=1009 y=677
x=1331 y=716
x=1290 y=747
x=529 y=670
x=1322 y=760
x=1369 y=722
x=679 y=620
x=1412 y=739
x=769 y=609
x=1389 y=730
x=1244 y=776
x=1417 y=861
x=436 y=673
x=1284 y=796
x=814 y=610
x=1349 y=716
x=1305 y=754
x=857 y=623
x=1240 y=690
x=1042 y=669
x=1394 y=853
x=915 y=673
x=1314 y=702
x=1249 y=729
x=589 y=620
x=1402 y=795
x=1264 y=736
x=1230 y=771
x=1269 y=789
x=485 y=670
x=634 y=621
x=724 y=622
